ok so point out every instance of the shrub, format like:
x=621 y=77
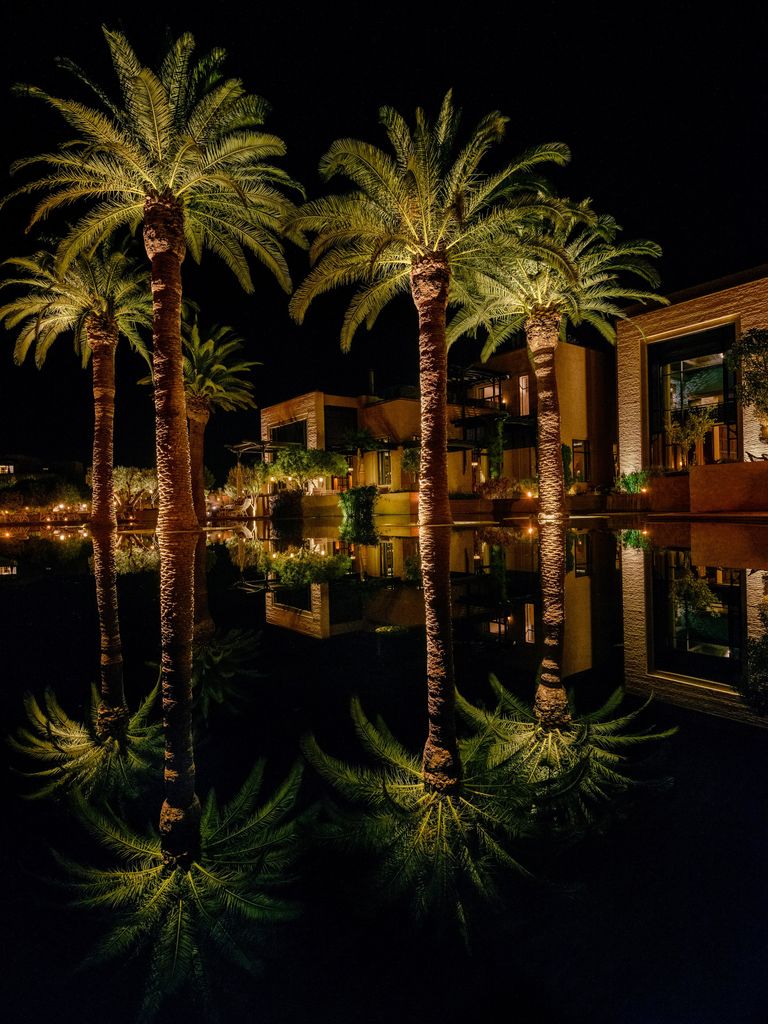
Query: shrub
x=632 y=483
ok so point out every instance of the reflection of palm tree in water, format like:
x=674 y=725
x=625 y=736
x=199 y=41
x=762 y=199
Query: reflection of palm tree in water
x=551 y=701
x=113 y=749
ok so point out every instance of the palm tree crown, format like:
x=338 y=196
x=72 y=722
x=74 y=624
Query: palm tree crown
x=104 y=291
x=185 y=134
x=423 y=200
x=214 y=375
x=576 y=278
x=586 y=286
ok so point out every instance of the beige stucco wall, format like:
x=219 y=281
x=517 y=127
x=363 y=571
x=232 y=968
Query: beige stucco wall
x=745 y=305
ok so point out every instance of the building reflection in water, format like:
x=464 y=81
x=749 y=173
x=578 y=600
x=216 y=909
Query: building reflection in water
x=692 y=594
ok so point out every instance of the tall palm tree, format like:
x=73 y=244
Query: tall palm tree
x=413 y=221
x=214 y=378
x=179 y=152
x=540 y=297
x=98 y=298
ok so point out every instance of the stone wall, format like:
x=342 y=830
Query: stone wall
x=744 y=304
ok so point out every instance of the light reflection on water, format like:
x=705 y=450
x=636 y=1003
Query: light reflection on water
x=682 y=622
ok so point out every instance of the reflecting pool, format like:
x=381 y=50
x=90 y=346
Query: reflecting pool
x=328 y=884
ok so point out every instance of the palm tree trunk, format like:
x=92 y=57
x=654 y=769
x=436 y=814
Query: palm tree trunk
x=198 y=415
x=180 y=814
x=551 y=702
x=113 y=711
x=164 y=244
x=542 y=332
x=102 y=340
x=430 y=278
x=204 y=626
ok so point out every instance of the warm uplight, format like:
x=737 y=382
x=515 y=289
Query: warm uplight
x=474 y=464
x=529 y=493
x=643 y=490
x=530 y=529
x=476 y=557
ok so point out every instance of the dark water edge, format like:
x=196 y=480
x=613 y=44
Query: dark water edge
x=661 y=921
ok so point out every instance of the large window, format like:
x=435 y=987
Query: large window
x=689 y=379
x=295 y=432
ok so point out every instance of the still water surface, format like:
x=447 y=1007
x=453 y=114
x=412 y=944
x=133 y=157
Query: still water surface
x=658 y=918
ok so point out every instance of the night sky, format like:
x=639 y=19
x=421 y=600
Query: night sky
x=663 y=107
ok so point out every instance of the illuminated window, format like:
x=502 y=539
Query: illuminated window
x=523 y=394
x=580 y=466
x=385 y=468
x=530 y=626
x=6 y=469
x=386 y=558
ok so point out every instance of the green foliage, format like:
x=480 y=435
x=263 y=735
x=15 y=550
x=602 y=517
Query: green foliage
x=426 y=195
x=632 y=483
x=297 y=466
x=253 y=479
x=40 y=491
x=496 y=448
x=188 y=922
x=221 y=670
x=754 y=684
x=358 y=505
x=635 y=539
x=749 y=358
x=572 y=265
x=135 y=488
x=411 y=460
x=71 y=756
x=439 y=853
x=214 y=373
x=576 y=771
x=136 y=552
x=693 y=427
x=567 y=462
x=693 y=592
x=248 y=554
x=500 y=487
x=297 y=569
x=103 y=289
x=285 y=505
x=185 y=132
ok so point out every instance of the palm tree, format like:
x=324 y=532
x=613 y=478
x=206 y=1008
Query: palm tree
x=180 y=152
x=540 y=297
x=214 y=378
x=98 y=298
x=412 y=223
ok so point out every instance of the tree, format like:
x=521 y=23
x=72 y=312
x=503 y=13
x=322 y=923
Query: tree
x=135 y=488
x=749 y=358
x=179 y=152
x=693 y=426
x=576 y=278
x=98 y=298
x=297 y=466
x=413 y=220
x=214 y=378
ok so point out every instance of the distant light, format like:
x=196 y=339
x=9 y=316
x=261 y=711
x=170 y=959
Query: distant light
x=529 y=494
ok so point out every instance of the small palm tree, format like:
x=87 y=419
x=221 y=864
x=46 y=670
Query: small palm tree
x=440 y=852
x=416 y=219
x=80 y=757
x=215 y=377
x=540 y=296
x=185 y=919
x=99 y=298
